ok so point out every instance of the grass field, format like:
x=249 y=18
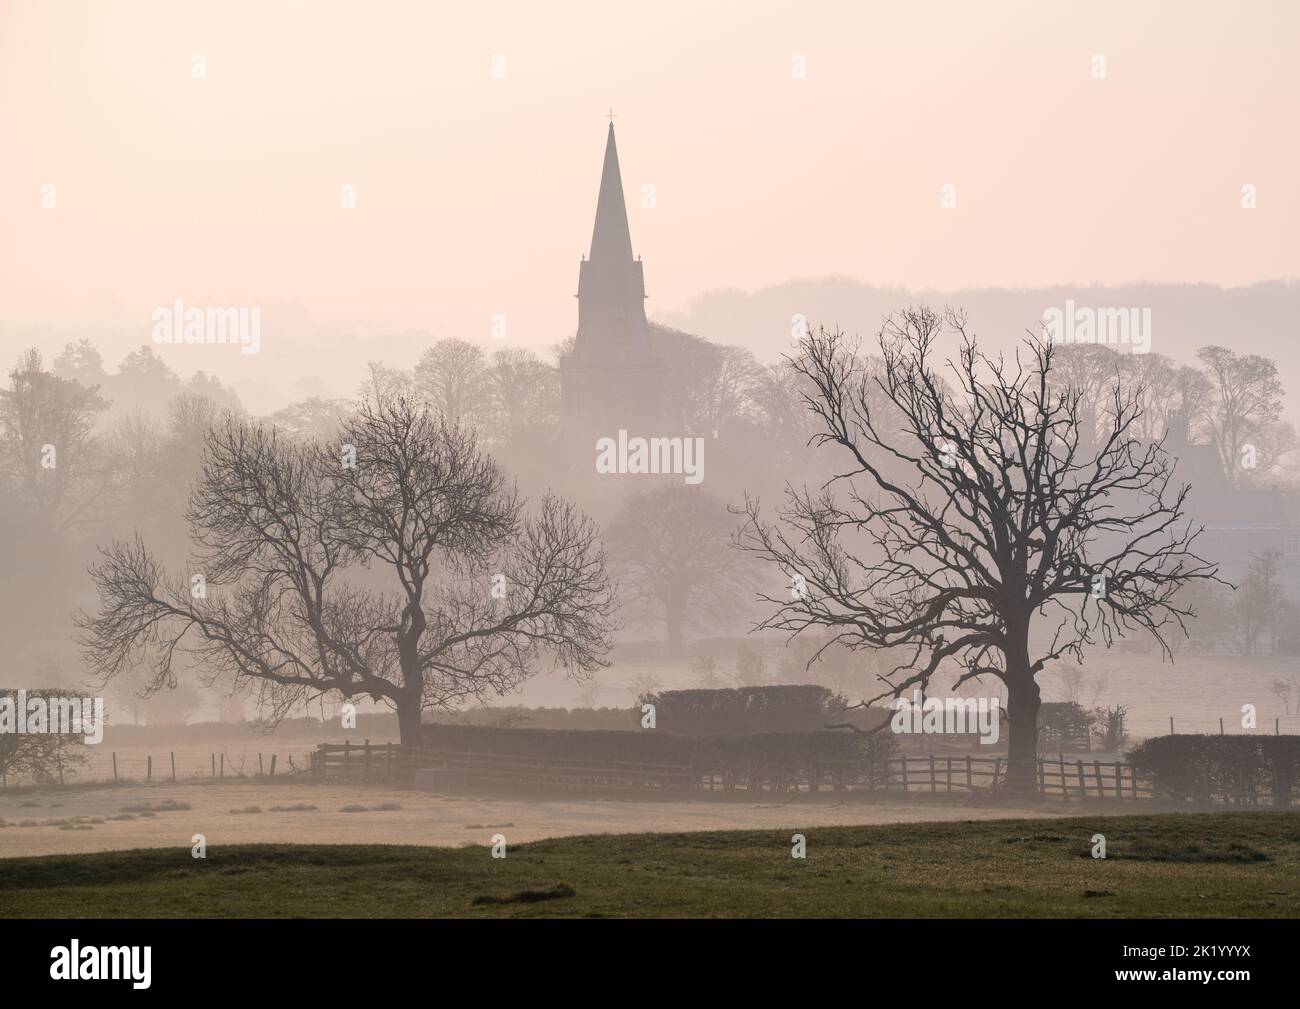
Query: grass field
x=81 y=820
x=1175 y=865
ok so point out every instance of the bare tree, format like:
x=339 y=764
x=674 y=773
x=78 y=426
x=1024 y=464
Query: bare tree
x=453 y=376
x=1091 y=371
x=383 y=383
x=1259 y=604
x=81 y=362
x=672 y=547
x=40 y=757
x=47 y=443
x=1192 y=393
x=1283 y=690
x=1156 y=376
x=720 y=392
x=999 y=516
x=1245 y=399
x=314 y=417
x=414 y=577
x=523 y=393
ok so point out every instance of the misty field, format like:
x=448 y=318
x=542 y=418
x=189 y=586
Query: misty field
x=1167 y=865
x=244 y=812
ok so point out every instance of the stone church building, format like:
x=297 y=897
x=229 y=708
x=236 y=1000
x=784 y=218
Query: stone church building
x=614 y=378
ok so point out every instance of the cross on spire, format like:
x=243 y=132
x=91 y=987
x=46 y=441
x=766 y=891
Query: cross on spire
x=610 y=117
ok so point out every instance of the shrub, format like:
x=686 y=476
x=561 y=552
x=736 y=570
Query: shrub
x=1063 y=726
x=1109 y=726
x=1222 y=767
x=771 y=756
x=747 y=710
x=41 y=757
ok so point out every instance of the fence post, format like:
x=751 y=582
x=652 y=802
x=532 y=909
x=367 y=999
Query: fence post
x=114 y=767
x=997 y=773
x=214 y=764
x=347 y=760
x=1042 y=776
x=1083 y=784
x=273 y=765
x=934 y=785
x=1220 y=726
x=260 y=770
x=365 y=774
x=969 y=780
x=1134 y=772
x=1171 y=725
x=173 y=766
x=148 y=773
x=388 y=771
x=1096 y=773
x=223 y=765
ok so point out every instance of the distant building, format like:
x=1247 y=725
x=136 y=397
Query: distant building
x=613 y=378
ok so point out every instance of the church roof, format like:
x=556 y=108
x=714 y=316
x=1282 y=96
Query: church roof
x=611 y=241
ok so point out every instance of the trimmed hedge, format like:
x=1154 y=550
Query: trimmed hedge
x=800 y=708
x=773 y=756
x=1226 y=768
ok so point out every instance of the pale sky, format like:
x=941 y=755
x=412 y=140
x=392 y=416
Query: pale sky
x=475 y=195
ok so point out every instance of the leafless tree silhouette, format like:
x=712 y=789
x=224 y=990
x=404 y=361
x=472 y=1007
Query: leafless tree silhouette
x=986 y=508
x=671 y=549
x=415 y=577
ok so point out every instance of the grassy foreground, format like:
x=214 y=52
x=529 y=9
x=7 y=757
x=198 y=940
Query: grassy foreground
x=1232 y=864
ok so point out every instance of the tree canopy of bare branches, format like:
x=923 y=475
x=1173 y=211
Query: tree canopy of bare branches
x=986 y=504
x=47 y=442
x=1245 y=400
x=672 y=548
x=396 y=564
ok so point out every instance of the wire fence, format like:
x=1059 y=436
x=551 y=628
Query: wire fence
x=158 y=765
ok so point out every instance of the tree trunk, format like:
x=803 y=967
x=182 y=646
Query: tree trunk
x=411 y=696
x=1023 y=702
x=408 y=718
x=674 y=617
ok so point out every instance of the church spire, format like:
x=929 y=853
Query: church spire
x=612 y=379
x=611 y=241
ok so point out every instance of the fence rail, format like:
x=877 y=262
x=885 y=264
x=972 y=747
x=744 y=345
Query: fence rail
x=1062 y=777
x=391 y=762
x=1067 y=779
x=102 y=766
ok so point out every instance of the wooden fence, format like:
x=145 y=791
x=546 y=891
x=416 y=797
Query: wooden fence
x=135 y=767
x=392 y=762
x=1067 y=779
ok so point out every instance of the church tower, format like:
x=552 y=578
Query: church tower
x=612 y=379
